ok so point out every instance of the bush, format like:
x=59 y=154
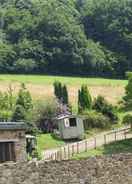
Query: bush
x=127 y=99
x=96 y=120
x=19 y=114
x=5 y=115
x=61 y=92
x=101 y=105
x=127 y=120
x=84 y=99
x=43 y=114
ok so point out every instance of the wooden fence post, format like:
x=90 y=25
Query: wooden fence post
x=77 y=147
x=72 y=149
x=55 y=155
x=68 y=152
x=95 y=143
x=60 y=154
x=105 y=140
x=86 y=146
x=125 y=134
x=115 y=136
x=64 y=153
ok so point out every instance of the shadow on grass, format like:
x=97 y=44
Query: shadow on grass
x=124 y=146
x=56 y=137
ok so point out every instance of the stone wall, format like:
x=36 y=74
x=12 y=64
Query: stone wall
x=18 y=137
x=116 y=169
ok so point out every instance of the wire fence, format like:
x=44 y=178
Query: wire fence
x=68 y=151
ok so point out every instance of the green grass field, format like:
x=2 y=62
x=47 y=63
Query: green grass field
x=41 y=86
x=43 y=79
x=47 y=141
x=124 y=146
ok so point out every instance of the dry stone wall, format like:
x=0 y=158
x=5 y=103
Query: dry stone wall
x=116 y=169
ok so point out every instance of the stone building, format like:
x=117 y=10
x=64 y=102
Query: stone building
x=12 y=141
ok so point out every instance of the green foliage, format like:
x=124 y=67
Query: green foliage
x=19 y=114
x=118 y=147
x=75 y=38
x=7 y=104
x=127 y=99
x=44 y=111
x=58 y=89
x=24 y=98
x=5 y=115
x=101 y=105
x=24 y=66
x=23 y=105
x=65 y=95
x=127 y=120
x=84 y=99
x=96 y=120
x=61 y=92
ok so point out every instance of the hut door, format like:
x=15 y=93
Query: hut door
x=7 y=151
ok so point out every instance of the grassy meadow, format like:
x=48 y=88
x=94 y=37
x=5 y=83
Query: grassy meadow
x=47 y=141
x=41 y=86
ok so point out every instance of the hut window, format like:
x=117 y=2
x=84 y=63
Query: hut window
x=72 y=122
x=66 y=123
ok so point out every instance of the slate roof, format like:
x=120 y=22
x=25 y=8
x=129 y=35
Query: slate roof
x=12 y=126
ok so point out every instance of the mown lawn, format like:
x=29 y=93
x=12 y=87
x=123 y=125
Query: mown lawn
x=124 y=146
x=47 y=141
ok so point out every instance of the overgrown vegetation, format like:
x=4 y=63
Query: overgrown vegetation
x=75 y=38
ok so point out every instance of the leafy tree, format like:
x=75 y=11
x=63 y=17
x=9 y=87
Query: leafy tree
x=24 y=66
x=74 y=39
x=65 y=95
x=23 y=105
x=24 y=98
x=19 y=114
x=58 y=90
x=84 y=99
x=127 y=99
x=101 y=105
x=61 y=92
x=127 y=120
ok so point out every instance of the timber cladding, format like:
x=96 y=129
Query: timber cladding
x=115 y=169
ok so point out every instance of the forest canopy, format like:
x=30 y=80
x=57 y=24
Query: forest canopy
x=73 y=37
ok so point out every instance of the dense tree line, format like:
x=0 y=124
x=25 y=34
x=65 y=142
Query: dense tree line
x=82 y=37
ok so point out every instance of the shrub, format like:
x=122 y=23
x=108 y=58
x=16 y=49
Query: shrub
x=127 y=120
x=96 y=120
x=84 y=99
x=19 y=114
x=24 y=98
x=61 y=92
x=43 y=114
x=5 y=115
x=101 y=105
x=127 y=99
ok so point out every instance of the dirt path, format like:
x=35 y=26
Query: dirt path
x=67 y=151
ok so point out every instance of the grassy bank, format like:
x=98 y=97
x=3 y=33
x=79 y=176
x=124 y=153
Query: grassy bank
x=124 y=146
x=47 y=141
